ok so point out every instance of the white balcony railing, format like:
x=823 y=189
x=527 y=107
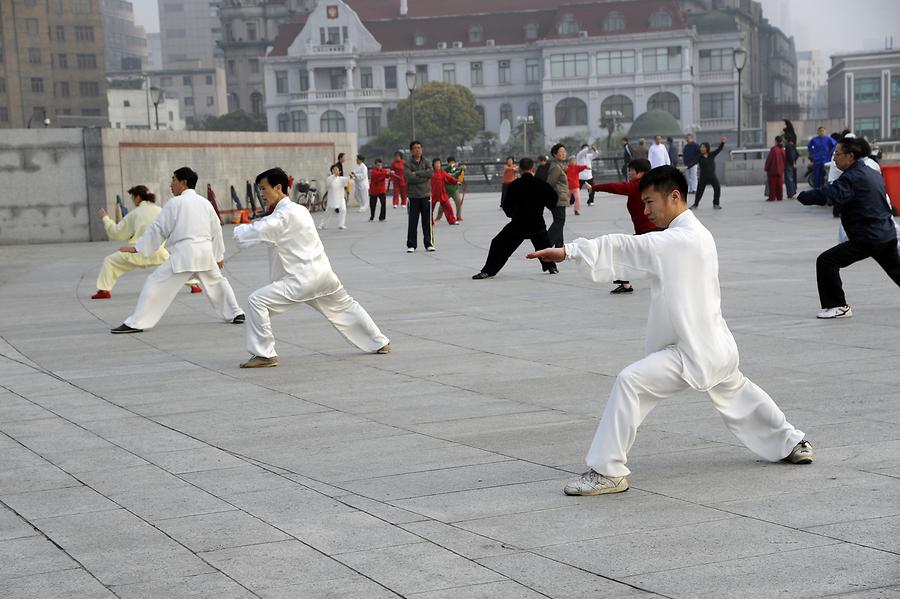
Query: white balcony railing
x=718 y=75
x=331 y=49
x=726 y=123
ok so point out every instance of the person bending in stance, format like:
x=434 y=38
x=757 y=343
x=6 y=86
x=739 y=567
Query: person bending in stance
x=688 y=343
x=301 y=274
x=636 y=169
x=190 y=228
x=859 y=194
x=525 y=202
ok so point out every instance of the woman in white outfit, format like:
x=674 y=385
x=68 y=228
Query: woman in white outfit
x=335 y=185
x=300 y=274
x=688 y=343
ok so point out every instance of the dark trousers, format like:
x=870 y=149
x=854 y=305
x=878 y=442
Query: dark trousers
x=819 y=178
x=508 y=241
x=701 y=187
x=419 y=208
x=790 y=180
x=590 y=191
x=776 y=187
x=373 y=201
x=830 y=262
x=555 y=232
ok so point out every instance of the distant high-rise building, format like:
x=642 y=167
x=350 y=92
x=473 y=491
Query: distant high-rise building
x=189 y=32
x=154 y=51
x=812 y=84
x=125 y=43
x=52 y=64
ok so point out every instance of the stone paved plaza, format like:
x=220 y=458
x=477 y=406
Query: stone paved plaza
x=151 y=466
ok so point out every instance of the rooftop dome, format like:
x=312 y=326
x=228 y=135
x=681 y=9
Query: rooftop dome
x=653 y=123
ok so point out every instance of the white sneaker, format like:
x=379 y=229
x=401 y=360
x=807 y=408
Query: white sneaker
x=800 y=454
x=342 y=227
x=410 y=250
x=838 y=312
x=430 y=248
x=594 y=483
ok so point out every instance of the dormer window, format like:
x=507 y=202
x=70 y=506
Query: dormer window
x=475 y=33
x=614 y=22
x=568 y=25
x=661 y=19
x=420 y=39
x=531 y=31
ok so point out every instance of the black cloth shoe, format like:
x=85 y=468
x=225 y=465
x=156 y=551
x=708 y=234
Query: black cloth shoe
x=716 y=207
x=622 y=289
x=481 y=275
x=239 y=319
x=553 y=270
x=124 y=329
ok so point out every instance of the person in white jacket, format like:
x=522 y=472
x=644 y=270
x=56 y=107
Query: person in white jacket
x=659 y=153
x=336 y=202
x=585 y=157
x=300 y=273
x=190 y=228
x=361 y=183
x=688 y=343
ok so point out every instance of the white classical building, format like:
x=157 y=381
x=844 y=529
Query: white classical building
x=572 y=67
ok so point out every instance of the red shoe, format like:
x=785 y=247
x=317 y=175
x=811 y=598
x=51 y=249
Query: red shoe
x=101 y=294
x=196 y=289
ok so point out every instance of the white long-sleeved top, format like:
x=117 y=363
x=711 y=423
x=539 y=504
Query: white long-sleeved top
x=190 y=227
x=335 y=187
x=685 y=302
x=296 y=254
x=585 y=157
x=658 y=155
x=362 y=175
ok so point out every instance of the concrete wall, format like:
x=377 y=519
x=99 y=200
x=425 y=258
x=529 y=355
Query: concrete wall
x=53 y=181
x=43 y=193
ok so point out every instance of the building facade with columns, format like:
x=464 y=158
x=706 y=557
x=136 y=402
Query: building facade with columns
x=864 y=90
x=575 y=68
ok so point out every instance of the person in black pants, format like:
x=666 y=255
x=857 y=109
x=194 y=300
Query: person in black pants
x=866 y=217
x=556 y=177
x=707 y=175
x=418 y=187
x=526 y=199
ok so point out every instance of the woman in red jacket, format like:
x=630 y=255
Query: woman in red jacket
x=439 y=179
x=572 y=170
x=775 y=170
x=398 y=166
x=378 y=178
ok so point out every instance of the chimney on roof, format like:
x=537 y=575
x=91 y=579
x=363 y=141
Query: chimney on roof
x=404 y=8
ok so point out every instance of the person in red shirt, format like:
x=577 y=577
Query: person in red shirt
x=572 y=170
x=510 y=174
x=378 y=178
x=642 y=224
x=775 y=170
x=398 y=166
x=439 y=179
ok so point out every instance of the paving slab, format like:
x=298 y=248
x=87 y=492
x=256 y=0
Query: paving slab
x=151 y=466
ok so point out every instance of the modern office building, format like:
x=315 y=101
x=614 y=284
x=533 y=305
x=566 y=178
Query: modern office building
x=124 y=42
x=812 y=84
x=189 y=33
x=864 y=90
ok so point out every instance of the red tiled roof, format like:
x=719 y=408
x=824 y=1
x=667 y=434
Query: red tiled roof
x=504 y=22
x=287 y=33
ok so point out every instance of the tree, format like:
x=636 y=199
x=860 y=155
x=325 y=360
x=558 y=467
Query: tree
x=535 y=146
x=574 y=142
x=384 y=146
x=445 y=117
x=234 y=121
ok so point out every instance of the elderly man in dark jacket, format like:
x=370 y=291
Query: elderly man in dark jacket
x=866 y=217
x=418 y=187
x=524 y=203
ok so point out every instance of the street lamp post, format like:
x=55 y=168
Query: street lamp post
x=411 y=86
x=525 y=120
x=740 y=61
x=156 y=95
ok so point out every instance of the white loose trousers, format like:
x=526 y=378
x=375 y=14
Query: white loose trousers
x=692 y=179
x=339 y=204
x=163 y=285
x=747 y=410
x=341 y=310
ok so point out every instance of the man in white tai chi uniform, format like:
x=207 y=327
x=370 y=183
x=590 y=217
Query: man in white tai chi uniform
x=658 y=154
x=688 y=343
x=193 y=235
x=301 y=273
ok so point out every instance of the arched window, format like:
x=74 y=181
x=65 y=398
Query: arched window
x=661 y=19
x=480 y=110
x=506 y=113
x=284 y=121
x=332 y=122
x=666 y=101
x=618 y=103
x=256 y=103
x=299 y=121
x=614 y=22
x=571 y=112
x=534 y=111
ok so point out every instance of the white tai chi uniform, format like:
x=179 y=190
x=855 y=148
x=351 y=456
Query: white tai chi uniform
x=585 y=158
x=688 y=343
x=301 y=273
x=190 y=227
x=658 y=155
x=692 y=179
x=337 y=202
x=360 y=186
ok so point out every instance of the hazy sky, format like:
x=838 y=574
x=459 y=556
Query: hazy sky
x=831 y=25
